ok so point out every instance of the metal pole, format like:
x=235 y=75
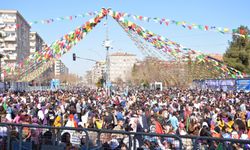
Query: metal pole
x=20 y=131
x=107 y=45
x=107 y=71
x=8 y=138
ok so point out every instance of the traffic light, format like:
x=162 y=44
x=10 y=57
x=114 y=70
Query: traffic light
x=74 y=57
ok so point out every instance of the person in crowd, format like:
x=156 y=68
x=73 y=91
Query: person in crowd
x=172 y=111
x=26 y=131
x=66 y=141
x=119 y=127
x=193 y=126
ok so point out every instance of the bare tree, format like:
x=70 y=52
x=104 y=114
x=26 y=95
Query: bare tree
x=177 y=73
x=71 y=79
x=119 y=81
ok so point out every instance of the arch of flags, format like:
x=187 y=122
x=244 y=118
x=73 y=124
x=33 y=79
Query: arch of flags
x=161 y=47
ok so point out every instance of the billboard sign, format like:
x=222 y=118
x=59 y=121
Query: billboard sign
x=243 y=84
x=54 y=84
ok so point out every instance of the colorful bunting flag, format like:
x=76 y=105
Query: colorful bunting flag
x=166 y=46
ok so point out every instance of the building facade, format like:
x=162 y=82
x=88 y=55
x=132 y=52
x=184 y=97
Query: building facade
x=54 y=72
x=121 y=65
x=98 y=71
x=88 y=77
x=36 y=42
x=16 y=43
x=60 y=68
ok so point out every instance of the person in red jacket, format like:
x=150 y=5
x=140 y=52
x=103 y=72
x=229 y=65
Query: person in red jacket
x=158 y=127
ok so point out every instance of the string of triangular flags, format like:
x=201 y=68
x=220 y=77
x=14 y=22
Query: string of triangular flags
x=163 y=59
x=162 y=21
x=51 y=20
x=63 y=45
x=147 y=50
x=143 y=45
x=185 y=24
x=164 y=43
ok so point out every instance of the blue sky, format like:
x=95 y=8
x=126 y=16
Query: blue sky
x=220 y=13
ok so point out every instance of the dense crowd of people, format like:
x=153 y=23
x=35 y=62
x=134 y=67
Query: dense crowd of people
x=172 y=111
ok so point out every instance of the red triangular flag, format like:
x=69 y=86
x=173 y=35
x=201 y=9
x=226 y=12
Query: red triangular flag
x=118 y=16
x=133 y=26
x=206 y=27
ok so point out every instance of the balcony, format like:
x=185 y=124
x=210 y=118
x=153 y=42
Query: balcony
x=9 y=20
x=9 y=29
x=12 y=48
x=32 y=50
x=10 y=38
x=32 y=44
x=32 y=38
x=12 y=57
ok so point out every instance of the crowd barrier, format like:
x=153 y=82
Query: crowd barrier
x=11 y=136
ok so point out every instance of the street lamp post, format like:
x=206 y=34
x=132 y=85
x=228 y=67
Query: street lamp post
x=107 y=45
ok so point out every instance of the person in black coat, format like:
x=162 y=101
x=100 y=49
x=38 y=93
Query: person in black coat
x=139 y=137
x=142 y=120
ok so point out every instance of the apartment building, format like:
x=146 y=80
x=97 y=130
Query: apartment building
x=98 y=71
x=36 y=42
x=60 y=68
x=121 y=65
x=15 y=44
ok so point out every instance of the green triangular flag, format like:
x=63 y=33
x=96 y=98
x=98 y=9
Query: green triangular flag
x=5 y=106
x=188 y=122
x=220 y=147
x=233 y=76
x=200 y=27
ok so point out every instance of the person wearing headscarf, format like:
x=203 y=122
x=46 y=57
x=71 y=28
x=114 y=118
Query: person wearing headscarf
x=57 y=122
x=158 y=127
x=9 y=112
x=248 y=119
x=84 y=119
x=71 y=122
x=35 y=132
x=229 y=124
x=194 y=126
x=26 y=131
x=17 y=118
